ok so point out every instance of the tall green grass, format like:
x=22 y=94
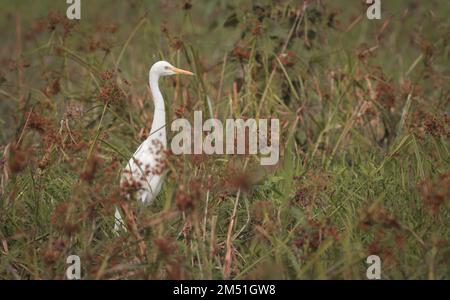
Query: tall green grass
x=364 y=166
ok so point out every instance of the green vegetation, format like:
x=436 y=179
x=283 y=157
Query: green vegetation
x=364 y=155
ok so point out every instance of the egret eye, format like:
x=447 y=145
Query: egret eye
x=166 y=67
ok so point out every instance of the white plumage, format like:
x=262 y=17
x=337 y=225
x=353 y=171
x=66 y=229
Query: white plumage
x=145 y=171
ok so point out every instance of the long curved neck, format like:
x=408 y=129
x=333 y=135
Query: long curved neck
x=159 y=115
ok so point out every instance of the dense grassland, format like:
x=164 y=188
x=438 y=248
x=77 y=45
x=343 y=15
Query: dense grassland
x=364 y=145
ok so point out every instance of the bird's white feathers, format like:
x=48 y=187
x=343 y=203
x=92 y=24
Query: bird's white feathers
x=144 y=173
x=145 y=170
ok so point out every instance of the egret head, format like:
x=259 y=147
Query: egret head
x=163 y=68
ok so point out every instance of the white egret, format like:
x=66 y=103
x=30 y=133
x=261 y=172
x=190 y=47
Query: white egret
x=144 y=173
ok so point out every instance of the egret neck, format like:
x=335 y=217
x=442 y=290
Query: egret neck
x=158 y=128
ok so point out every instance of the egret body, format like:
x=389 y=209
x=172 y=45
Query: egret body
x=144 y=173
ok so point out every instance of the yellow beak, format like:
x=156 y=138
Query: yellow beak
x=180 y=71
